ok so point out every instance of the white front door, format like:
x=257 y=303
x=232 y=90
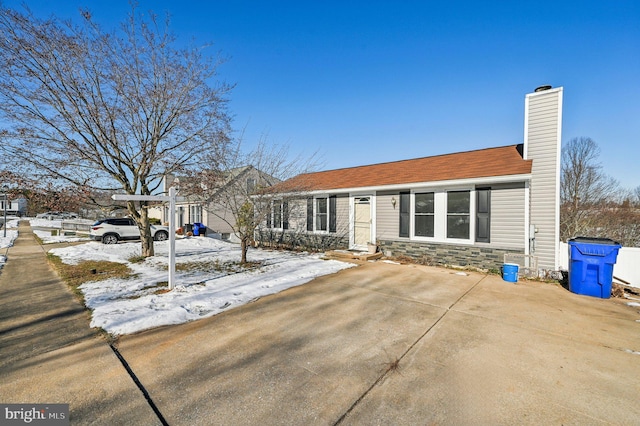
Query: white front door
x=362 y=221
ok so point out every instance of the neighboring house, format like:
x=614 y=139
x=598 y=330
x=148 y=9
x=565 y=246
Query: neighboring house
x=467 y=208
x=215 y=214
x=17 y=207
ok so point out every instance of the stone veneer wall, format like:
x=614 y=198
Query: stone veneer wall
x=448 y=254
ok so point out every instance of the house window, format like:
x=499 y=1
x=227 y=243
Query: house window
x=321 y=214
x=195 y=214
x=458 y=208
x=279 y=215
x=424 y=214
x=180 y=217
x=251 y=185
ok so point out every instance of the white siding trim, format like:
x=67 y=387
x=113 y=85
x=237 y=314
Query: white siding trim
x=525 y=148
x=527 y=220
x=558 y=172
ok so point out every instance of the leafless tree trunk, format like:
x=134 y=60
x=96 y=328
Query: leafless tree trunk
x=106 y=111
x=240 y=185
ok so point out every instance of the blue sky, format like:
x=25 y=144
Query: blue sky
x=365 y=82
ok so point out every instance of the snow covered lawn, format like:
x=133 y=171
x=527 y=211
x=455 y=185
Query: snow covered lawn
x=212 y=281
x=45 y=235
x=6 y=242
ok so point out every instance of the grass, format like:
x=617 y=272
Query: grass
x=160 y=287
x=38 y=239
x=392 y=366
x=136 y=259
x=217 y=266
x=88 y=270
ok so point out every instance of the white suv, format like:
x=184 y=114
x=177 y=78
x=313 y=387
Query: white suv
x=110 y=231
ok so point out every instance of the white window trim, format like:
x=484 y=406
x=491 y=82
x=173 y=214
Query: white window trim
x=315 y=208
x=440 y=216
x=272 y=203
x=195 y=210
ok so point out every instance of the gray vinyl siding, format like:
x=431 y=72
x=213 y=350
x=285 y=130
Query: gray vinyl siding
x=508 y=216
x=217 y=223
x=298 y=215
x=544 y=121
x=342 y=214
x=387 y=217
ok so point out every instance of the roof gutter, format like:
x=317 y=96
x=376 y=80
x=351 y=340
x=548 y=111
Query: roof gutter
x=418 y=185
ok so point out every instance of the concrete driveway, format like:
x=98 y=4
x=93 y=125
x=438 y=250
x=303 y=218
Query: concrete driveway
x=399 y=344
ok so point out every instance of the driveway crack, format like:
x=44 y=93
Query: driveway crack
x=386 y=372
x=140 y=386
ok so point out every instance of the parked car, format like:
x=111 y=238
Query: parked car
x=57 y=215
x=112 y=230
x=50 y=216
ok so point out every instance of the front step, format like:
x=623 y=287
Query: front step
x=347 y=254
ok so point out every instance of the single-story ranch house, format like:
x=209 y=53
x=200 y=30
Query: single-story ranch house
x=466 y=208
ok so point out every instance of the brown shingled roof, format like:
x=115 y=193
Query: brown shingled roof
x=490 y=162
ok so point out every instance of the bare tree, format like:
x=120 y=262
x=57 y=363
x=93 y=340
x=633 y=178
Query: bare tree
x=107 y=110
x=584 y=186
x=237 y=192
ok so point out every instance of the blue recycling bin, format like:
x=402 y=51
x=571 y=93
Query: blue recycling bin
x=199 y=229
x=591 y=263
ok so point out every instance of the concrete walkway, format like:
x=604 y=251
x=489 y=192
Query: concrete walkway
x=49 y=354
x=379 y=344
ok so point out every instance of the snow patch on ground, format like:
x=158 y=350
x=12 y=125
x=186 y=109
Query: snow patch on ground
x=212 y=282
x=7 y=241
x=47 y=238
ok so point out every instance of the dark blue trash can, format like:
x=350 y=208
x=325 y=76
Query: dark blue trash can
x=591 y=263
x=199 y=229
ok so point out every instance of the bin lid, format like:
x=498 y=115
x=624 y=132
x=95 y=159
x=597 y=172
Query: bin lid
x=593 y=240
